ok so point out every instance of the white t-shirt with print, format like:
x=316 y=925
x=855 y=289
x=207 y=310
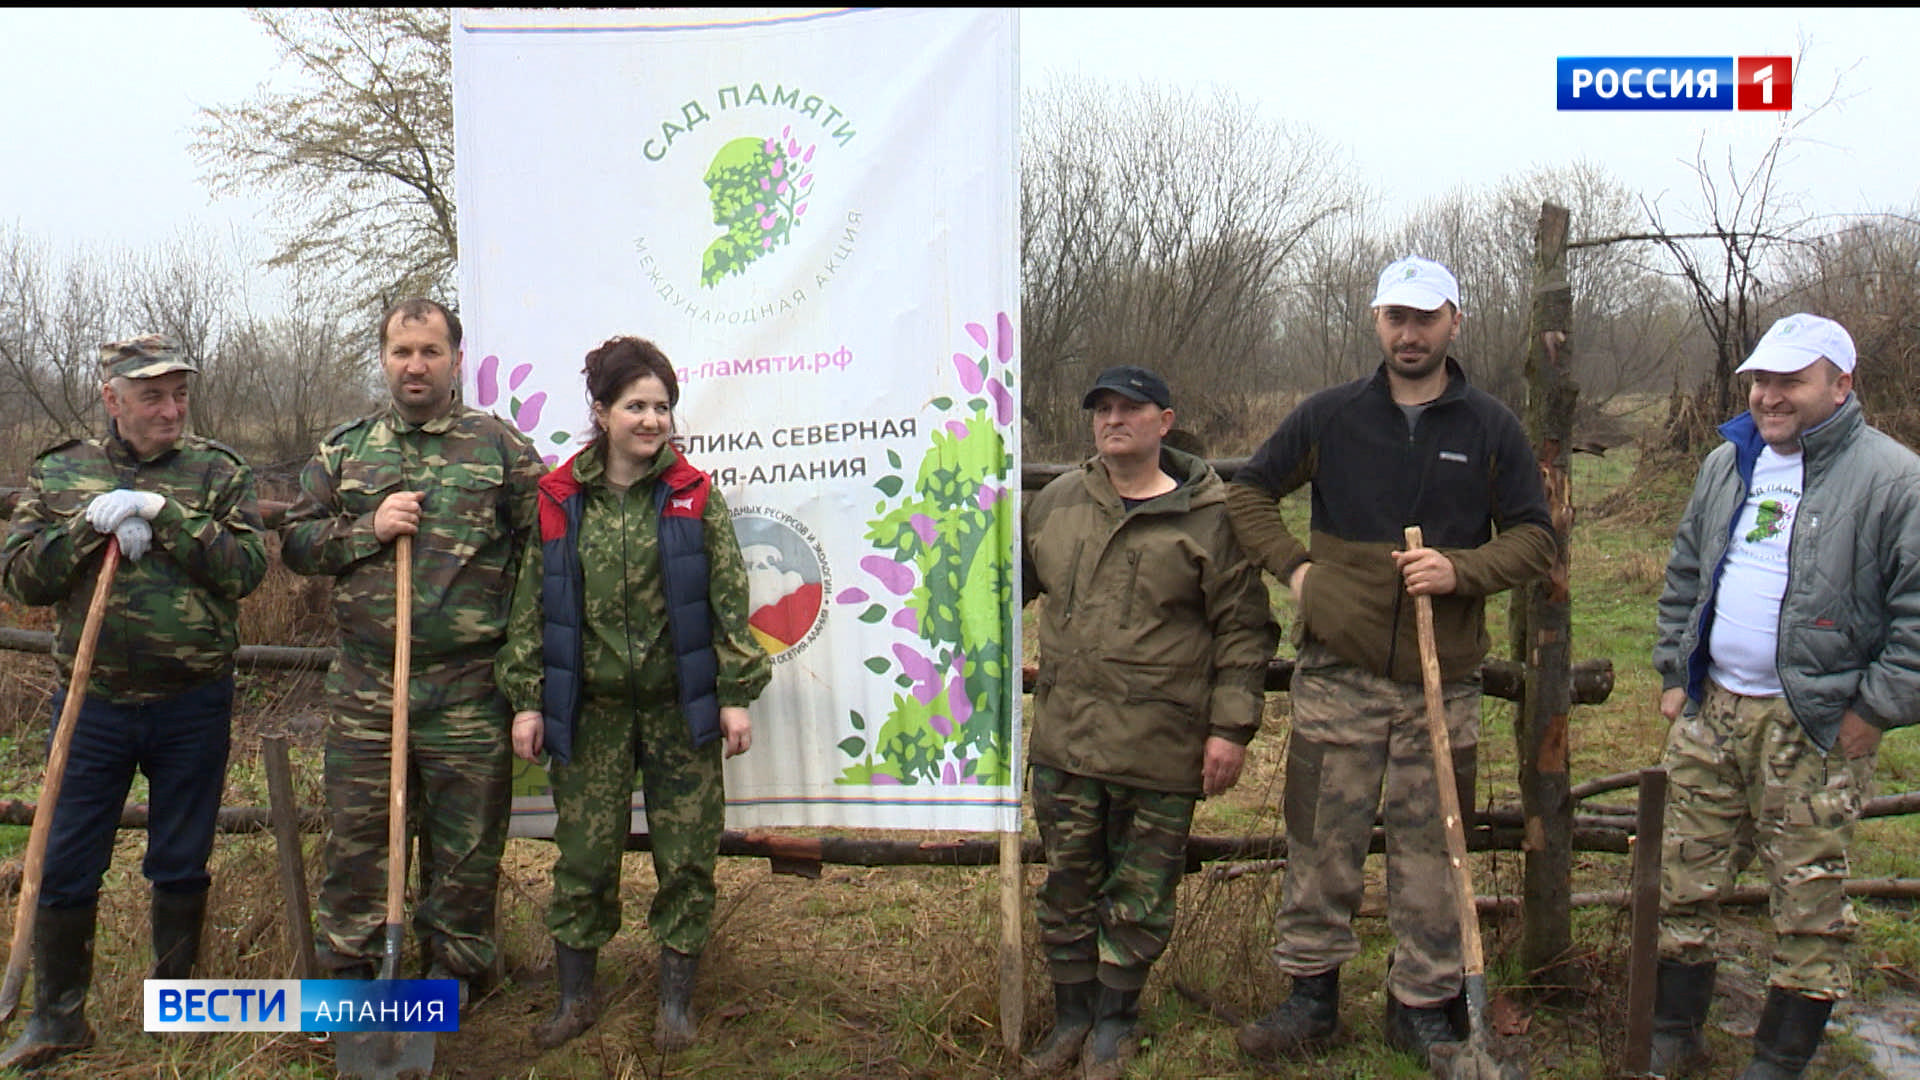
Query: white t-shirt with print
x=1746 y=620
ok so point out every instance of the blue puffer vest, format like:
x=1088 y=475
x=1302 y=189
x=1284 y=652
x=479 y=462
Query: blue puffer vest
x=680 y=499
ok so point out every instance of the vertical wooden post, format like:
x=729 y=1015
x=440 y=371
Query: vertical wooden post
x=1013 y=964
x=284 y=809
x=1643 y=952
x=1545 y=796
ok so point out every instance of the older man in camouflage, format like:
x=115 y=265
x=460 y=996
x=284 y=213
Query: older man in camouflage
x=1153 y=647
x=160 y=695
x=461 y=483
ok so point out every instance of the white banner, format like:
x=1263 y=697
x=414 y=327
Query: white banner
x=814 y=214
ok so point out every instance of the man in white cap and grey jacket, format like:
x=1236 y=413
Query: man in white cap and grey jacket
x=1789 y=640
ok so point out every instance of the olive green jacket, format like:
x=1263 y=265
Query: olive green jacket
x=1156 y=631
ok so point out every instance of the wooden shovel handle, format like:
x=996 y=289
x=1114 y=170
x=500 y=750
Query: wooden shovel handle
x=397 y=766
x=36 y=856
x=1473 y=959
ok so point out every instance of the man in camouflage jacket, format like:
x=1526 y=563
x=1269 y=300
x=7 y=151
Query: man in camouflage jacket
x=1153 y=652
x=160 y=694
x=461 y=483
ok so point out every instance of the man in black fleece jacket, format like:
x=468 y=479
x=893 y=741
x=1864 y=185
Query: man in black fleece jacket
x=1414 y=444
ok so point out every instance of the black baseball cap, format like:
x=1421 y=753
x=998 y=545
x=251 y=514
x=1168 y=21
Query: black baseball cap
x=1134 y=383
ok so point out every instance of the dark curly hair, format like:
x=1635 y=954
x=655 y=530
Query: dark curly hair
x=617 y=364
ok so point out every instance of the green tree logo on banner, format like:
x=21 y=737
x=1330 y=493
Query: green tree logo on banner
x=942 y=571
x=759 y=189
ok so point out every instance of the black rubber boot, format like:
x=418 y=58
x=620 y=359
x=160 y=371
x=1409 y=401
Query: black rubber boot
x=1116 y=1034
x=1073 y=1005
x=1791 y=1026
x=1417 y=1030
x=578 y=1007
x=176 y=919
x=1682 y=995
x=62 y=969
x=1308 y=1018
x=673 y=1028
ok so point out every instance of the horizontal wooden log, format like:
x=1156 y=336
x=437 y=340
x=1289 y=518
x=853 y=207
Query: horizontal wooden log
x=231 y=819
x=271 y=657
x=1749 y=895
x=1504 y=679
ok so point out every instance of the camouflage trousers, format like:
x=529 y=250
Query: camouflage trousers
x=592 y=800
x=1744 y=779
x=1114 y=858
x=460 y=764
x=1352 y=732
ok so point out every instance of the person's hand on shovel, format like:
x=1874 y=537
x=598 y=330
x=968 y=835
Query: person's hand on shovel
x=1426 y=571
x=398 y=515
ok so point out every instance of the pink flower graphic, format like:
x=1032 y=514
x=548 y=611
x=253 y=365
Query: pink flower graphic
x=527 y=417
x=486 y=383
x=926 y=681
x=971 y=378
x=897 y=578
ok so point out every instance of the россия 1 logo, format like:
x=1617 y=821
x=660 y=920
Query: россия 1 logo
x=1675 y=82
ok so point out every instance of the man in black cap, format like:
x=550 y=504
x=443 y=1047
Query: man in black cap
x=1154 y=642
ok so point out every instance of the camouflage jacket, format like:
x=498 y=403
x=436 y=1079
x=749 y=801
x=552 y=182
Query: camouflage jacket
x=479 y=476
x=627 y=654
x=172 y=619
x=1156 y=631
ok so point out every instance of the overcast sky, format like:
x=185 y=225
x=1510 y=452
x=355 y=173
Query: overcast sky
x=99 y=104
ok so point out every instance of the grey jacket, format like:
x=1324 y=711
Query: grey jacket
x=1156 y=631
x=1849 y=631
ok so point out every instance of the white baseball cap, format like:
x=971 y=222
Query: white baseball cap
x=1416 y=283
x=1799 y=340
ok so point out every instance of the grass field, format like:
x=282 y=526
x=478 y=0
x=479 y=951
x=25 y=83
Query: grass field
x=890 y=972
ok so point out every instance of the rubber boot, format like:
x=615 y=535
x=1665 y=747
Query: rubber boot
x=1073 y=1005
x=1681 y=997
x=673 y=1029
x=1791 y=1026
x=1308 y=1018
x=62 y=969
x=578 y=1007
x=1116 y=1034
x=1417 y=1030
x=176 y=919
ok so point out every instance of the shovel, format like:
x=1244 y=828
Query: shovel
x=36 y=857
x=1470 y=1060
x=392 y=1055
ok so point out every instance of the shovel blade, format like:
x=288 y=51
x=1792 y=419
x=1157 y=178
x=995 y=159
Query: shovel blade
x=384 y=1055
x=1470 y=1060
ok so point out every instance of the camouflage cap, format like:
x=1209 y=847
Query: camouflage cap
x=143 y=357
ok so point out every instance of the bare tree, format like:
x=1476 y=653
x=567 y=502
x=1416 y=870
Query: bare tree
x=359 y=155
x=1326 y=332
x=1866 y=275
x=1155 y=226
x=309 y=371
x=53 y=315
x=268 y=385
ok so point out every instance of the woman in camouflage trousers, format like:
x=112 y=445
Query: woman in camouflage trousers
x=628 y=646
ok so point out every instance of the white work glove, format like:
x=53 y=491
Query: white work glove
x=106 y=512
x=135 y=537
